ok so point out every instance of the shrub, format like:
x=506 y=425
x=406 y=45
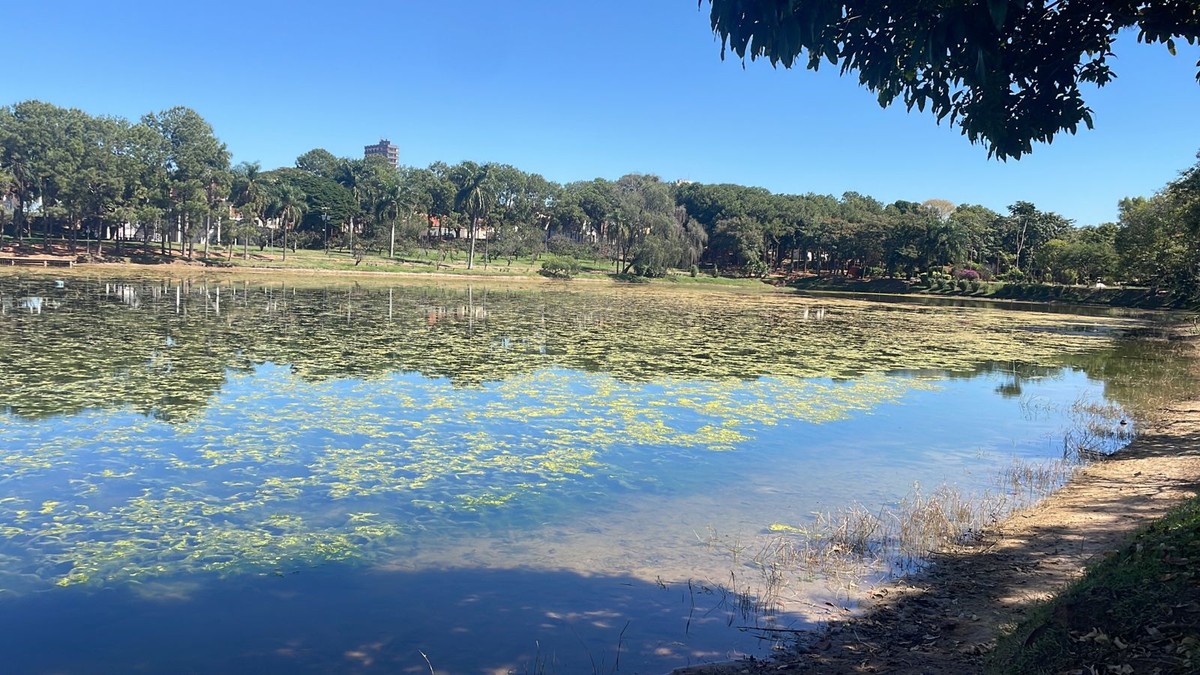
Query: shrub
x=560 y=267
x=962 y=284
x=974 y=285
x=925 y=281
x=695 y=271
x=968 y=274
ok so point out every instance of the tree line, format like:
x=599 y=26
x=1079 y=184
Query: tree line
x=167 y=179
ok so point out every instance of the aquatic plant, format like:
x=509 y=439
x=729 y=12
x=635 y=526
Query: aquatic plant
x=156 y=428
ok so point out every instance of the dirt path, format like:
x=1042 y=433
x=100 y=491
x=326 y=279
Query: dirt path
x=944 y=620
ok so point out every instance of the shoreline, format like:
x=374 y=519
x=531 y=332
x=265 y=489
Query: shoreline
x=181 y=268
x=947 y=618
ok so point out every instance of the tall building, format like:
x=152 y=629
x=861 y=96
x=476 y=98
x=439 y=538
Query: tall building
x=385 y=149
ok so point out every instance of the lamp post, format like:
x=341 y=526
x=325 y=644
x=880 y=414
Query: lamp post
x=325 y=218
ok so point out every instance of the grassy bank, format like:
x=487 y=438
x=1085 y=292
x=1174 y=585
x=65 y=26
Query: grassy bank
x=452 y=262
x=407 y=265
x=1137 y=611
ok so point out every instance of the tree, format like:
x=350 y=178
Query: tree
x=289 y=208
x=362 y=177
x=394 y=198
x=1158 y=239
x=1025 y=229
x=40 y=147
x=650 y=233
x=194 y=160
x=473 y=198
x=943 y=207
x=249 y=196
x=433 y=192
x=1081 y=255
x=318 y=161
x=979 y=227
x=1008 y=72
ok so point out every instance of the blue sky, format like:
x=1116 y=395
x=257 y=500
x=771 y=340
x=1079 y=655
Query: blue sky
x=574 y=90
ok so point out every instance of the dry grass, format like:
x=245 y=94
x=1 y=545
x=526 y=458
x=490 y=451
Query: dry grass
x=841 y=548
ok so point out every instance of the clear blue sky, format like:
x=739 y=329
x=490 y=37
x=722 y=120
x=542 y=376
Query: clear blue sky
x=573 y=90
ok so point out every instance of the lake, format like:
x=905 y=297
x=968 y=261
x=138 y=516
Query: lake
x=219 y=475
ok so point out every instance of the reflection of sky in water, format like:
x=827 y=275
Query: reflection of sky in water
x=566 y=472
x=541 y=506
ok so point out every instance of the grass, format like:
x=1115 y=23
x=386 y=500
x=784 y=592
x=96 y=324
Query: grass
x=852 y=542
x=449 y=262
x=1136 y=611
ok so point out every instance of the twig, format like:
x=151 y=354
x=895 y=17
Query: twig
x=427 y=662
x=620 y=640
x=794 y=631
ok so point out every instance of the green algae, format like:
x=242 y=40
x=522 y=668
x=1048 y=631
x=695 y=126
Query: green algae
x=281 y=427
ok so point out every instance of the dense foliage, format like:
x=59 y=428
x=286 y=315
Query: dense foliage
x=1008 y=72
x=166 y=179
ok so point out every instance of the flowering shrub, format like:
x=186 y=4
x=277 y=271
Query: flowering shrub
x=969 y=275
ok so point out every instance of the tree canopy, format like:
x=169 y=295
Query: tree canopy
x=1007 y=72
x=166 y=178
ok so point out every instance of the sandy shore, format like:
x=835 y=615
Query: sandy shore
x=947 y=618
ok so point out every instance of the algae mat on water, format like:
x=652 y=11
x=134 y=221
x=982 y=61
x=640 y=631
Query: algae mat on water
x=157 y=428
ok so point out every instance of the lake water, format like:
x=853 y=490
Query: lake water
x=253 y=476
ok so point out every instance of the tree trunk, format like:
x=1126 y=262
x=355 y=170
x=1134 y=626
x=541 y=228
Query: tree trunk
x=471 y=244
x=392 y=243
x=284 y=223
x=191 y=244
x=19 y=220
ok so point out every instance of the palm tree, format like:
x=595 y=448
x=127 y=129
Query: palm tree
x=352 y=174
x=290 y=210
x=473 y=198
x=248 y=196
x=393 y=199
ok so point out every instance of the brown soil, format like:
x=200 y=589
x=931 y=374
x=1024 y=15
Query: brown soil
x=947 y=618
x=34 y=250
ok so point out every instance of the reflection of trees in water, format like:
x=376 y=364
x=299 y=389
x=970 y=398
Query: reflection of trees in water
x=164 y=347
